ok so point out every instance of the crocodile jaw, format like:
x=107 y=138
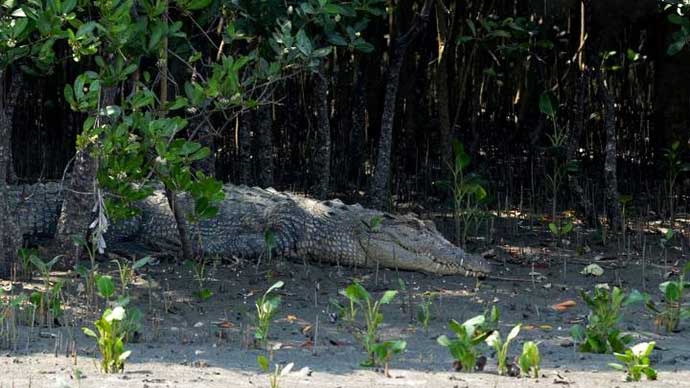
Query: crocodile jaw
x=418 y=246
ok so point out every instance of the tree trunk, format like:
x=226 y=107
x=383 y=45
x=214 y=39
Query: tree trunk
x=442 y=81
x=264 y=143
x=379 y=189
x=206 y=138
x=357 y=134
x=611 y=154
x=79 y=194
x=10 y=237
x=583 y=203
x=244 y=140
x=178 y=213
x=322 y=159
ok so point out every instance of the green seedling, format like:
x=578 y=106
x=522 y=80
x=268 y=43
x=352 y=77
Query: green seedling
x=277 y=372
x=131 y=324
x=501 y=348
x=266 y=308
x=55 y=300
x=561 y=229
x=424 y=312
x=10 y=308
x=491 y=318
x=199 y=270
x=105 y=286
x=271 y=243
x=672 y=312
x=373 y=317
x=635 y=362
x=602 y=335
x=44 y=267
x=468 y=336
x=384 y=352
x=348 y=313
x=127 y=271
x=26 y=257
x=467 y=191
x=530 y=360
x=110 y=340
x=50 y=298
x=675 y=167
x=91 y=248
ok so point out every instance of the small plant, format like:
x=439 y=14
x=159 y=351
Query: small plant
x=199 y=270
x=424 y=312
x=9 y=317
x=468 y=335
x=110 y=340
x=492 y=317
x=530 y=360
x=127 y=271
x=55 y=299
x=602 y=335
x=266 y=307
x=384 y=352
x=26 y=257
x=50 y=298
x=89 y=274
x=373 y=317
x=105 y=286
x=501 y=348
x=271 y=242
x=560 y=165
x=635 y=362
x=278 y=372
x=672 y=312
x=561 y=229
x=44 y=268
x=468 y=193
x=675 y=167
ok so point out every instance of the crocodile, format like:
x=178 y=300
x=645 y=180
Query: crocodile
x=300 y=228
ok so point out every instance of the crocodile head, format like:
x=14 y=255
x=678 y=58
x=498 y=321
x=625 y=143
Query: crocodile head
x=407 y=243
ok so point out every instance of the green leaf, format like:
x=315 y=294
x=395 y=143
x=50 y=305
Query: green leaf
x=578 y=333
x=443 y=341
x=303 y=43
x=356 y=293
x=89 y=332
x=275 y=286
x=567 y=228
x=105 y=286
x=671 y=290
x=616 y=366
x=141 y=262
x=336 y=39
x=554 y=229
x=124 y=356
x=263 y=363
x=678 y=20
x=546 y=104
x=198 y=4
x=388 y=296
x=676 y=47
x=636 y=296
x=650 y=373
x=513 y=333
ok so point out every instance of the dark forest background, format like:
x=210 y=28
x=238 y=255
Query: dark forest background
x=474 y=72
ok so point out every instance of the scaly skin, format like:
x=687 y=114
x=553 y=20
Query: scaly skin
x=303 y=228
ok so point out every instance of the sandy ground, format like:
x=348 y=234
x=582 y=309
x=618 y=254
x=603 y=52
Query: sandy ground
x=207 y=344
